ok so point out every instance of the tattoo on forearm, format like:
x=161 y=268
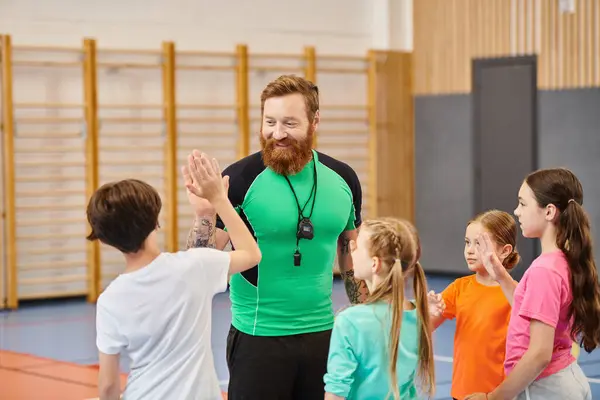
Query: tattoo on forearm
x=202 y=234
x=355 y=289
x=344 y=246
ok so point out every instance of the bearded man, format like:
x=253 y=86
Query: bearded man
x=301 y=206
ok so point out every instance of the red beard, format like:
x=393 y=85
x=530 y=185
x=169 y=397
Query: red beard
x=288 y=160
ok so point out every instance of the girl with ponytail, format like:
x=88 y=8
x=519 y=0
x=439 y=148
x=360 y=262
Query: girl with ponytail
x=382 y=348
x=558 y=299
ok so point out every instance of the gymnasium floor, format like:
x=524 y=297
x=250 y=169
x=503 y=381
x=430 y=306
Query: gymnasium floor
x=47 y=350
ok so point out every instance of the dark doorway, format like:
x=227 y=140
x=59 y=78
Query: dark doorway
x=505 y=128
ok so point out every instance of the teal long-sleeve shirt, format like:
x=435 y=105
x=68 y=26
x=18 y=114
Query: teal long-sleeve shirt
x=357 y=366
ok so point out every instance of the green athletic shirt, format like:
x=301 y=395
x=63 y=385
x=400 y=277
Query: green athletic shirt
x=276 y=298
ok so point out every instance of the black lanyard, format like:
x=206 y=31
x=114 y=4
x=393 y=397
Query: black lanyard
x=304 y=228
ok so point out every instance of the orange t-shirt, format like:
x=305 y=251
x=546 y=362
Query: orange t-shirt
x=482 y=314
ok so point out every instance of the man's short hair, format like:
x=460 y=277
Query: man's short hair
x=123 y=214
x=292 y=84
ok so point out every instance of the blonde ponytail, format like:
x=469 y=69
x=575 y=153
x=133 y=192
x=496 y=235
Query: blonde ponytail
x=426 y=367
x=397 y=305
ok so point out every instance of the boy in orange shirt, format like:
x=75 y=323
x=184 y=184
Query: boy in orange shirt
x=481 y=309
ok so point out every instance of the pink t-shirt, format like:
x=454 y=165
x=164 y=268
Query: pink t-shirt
x=544 y=294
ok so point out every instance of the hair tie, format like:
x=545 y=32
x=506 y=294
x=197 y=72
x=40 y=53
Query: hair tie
x=571 y=201
x=403 y=264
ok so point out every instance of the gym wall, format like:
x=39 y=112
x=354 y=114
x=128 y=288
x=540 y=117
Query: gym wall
x=129 y=89
x=568 y=49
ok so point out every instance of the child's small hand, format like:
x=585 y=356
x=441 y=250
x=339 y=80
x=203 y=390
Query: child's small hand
x=490 y=260
x=436 y=304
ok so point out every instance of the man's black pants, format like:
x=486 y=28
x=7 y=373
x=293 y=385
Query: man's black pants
x=277 y=368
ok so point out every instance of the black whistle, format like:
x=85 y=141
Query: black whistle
x=297 y=258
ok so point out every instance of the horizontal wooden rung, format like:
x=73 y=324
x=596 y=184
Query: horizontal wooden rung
x=343 y=70
x=275 y=68
x=130 y=120
x=126 y=135
x=206 y=106
x=206 y=134
x=140 y=147
x=51 y=221
x=51 y=49
x=276 y=55
x=128 y=65
x=140 y=175
x=338 y=132
x=48 y=295
x=48 y=149
x=206 y=67
x=130 y=107
x=348 y=156
x=46 y=236
x=50 y=120
x=131 y=161
x=49 y=192
x=199 y=53
x=206 y=120
x=46 y=135
x=345 y=143
x=341 y=107
x=49 y=178
x=341 y=57
x=53 y=280
x=49 y=64
x=52 y=265
x=213 y=146
x=49 y=207
x=141 y=52
x=53 y=163
x=43 y=251
x=47 y=105
x=112 y=262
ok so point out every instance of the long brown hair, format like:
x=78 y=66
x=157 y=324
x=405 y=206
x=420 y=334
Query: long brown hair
x=396 y=244
x=503 y=228
x=560 y=187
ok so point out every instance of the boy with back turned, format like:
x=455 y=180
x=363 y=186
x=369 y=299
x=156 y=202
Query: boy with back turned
x=158 y=311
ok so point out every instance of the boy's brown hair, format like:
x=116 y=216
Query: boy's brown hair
x=122 y=214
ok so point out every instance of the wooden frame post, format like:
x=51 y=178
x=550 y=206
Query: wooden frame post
x=12 y=300
x=372 y=117
x=91 y=159
x=310 y=72
x=242 y=97
x=171 y=168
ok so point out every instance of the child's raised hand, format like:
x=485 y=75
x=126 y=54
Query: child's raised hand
x=436 y=304
x=206 y=181
x=492 y=264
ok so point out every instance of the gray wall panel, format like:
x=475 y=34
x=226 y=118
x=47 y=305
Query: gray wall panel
x=569 y=136
x=444 y=179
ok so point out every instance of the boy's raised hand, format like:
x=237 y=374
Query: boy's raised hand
x=206 y=181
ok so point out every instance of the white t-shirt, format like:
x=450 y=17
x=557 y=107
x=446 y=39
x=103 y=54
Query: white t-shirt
x=160 y=317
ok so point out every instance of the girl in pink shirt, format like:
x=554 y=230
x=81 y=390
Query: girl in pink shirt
x=558 y=299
